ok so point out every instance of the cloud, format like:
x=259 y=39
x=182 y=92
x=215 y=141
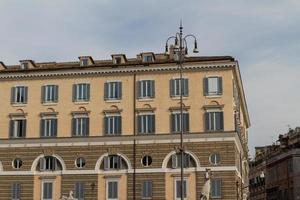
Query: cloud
x=262 y=35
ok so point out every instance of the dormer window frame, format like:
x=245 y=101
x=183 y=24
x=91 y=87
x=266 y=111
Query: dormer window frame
x=119 y=59
x=145 y=57
x=27 y=64
x=85 y=61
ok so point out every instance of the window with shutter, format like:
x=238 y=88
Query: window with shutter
x=81 y=92
x=19 y=94
x=113 y=90
x=146 y=124
x=47 y=190
x=50 y=93
x=213 y=86
x=175 y=87
x=146 y=89
x=18 y=128
x=80 y=126
x=176 y=122
x=113 y=125
x=214 y=121
x=48 y=127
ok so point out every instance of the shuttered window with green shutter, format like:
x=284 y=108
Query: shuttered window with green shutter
x=175 y=87
x=213 y=86
x=214 y=121
x=176 y=122
x=50 y=93
x=146 y=89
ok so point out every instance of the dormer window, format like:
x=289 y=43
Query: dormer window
x=84 y=62
x=148 y=58
x=119 y=59
x=24 y=66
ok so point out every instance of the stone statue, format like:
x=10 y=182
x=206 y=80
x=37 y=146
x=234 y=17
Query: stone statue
x=70 y=197
x=206 y=188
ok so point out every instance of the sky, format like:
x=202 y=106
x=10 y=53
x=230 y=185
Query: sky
x=264 y=36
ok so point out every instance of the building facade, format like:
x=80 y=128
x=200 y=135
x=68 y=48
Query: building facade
x=108 y=130
x=274 y=175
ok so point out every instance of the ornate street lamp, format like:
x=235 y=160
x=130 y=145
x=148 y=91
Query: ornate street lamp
x=181 y=49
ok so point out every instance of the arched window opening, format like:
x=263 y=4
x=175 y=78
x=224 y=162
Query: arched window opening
x=175 y=161
x=49 y=163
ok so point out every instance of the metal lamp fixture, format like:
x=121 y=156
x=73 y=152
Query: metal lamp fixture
x=180 y=50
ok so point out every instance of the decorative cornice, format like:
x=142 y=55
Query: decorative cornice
x=99 y=70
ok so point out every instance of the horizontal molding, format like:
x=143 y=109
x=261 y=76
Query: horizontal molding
x=120 y=172
x=99 y=70
x=119 y=140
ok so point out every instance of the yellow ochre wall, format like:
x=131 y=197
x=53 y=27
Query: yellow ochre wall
x=162 y=102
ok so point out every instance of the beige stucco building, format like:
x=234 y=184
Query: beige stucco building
x=108 y=130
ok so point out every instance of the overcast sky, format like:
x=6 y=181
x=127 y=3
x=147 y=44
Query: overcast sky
x=264 y=36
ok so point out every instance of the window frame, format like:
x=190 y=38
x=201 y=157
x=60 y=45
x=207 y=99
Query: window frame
x=215 y=155
x=81 y=92
x=147 y=160
x=113 y=127
x=81 y=195
x=16 y=186
x=82 y=163
x=151 y=189
x=212 y=125
x=114 y=180
x=52 y=123
x=177 y=117
x=83 y=126
x=19 y=161
x=146 y=89
x=19 y=94
x=175 y=87
x=113 y=90
x=50 y=93
x=175 y=188
x=148 y=119
x=220 y=189
x=219 y=85
x=15 y=127
x=42 y=189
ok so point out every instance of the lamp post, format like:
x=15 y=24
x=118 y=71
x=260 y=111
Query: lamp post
x=180 y=48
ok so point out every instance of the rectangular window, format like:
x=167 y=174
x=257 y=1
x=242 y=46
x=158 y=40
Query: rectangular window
x=216 y=188
x=50 y=93
x=146 y=124
x=81 y=92
x=147 y=189
x=175 y=87
x=18 y=128
x=47 y=191
x=214 y=121
x=48 y=127
x=80 y=126
x=176 y=122
x=178 y=189
x=79 y=191
x=146 y=89
x=19 y=95
x=113 y=125
x=113 y=90
x=112 y=190
x=213 y=86
x=16 y=191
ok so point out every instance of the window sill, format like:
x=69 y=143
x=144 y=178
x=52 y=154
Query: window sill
x=178 y=97
x=18 y=104
x=113 y=100
x=81 y=102
x=146 y=99
x=49 y=103
x=213 y=96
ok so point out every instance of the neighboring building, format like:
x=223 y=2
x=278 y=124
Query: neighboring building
x=108 y=130
x=275 y=172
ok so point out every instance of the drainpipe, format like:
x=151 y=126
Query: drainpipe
x=134 y=134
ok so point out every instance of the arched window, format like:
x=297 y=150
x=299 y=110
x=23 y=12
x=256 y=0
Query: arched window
x=49 y=163
x=175 y=161
x=113 y=162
